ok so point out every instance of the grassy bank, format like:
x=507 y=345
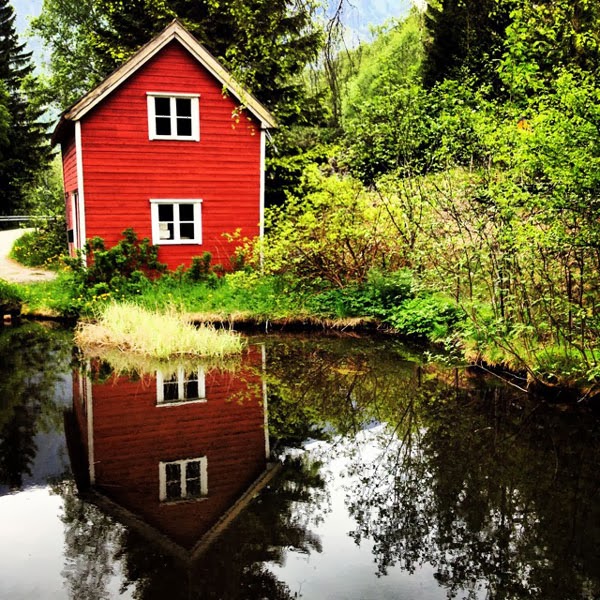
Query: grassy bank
x=360 y=283
x=393 y=302
x=156 y=334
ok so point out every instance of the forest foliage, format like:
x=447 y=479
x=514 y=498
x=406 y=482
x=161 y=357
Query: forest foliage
x=23 y=145
x=474 y=129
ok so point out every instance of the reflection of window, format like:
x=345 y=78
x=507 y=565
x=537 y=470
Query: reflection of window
x=182 y=479
x=173 y=117
x=182 y=386
x=176 y=221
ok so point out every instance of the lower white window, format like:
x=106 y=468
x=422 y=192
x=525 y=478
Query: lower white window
x=180 y=387
x=176 y=221
x=183 y=479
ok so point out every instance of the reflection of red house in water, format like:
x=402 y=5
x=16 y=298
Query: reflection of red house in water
x=175 y=456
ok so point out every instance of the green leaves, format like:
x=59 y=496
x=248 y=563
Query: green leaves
x=334 y=230
x=23 y=145
x=265 y=43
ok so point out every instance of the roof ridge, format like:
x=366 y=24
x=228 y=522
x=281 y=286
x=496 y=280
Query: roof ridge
x=174 y=31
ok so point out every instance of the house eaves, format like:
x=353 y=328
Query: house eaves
x=173 y=32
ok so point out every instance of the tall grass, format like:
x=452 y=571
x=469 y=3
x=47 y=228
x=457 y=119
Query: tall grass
x=137 y=365
x=160 y=335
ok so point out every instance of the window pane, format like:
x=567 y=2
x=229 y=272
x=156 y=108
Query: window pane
x=186 y=212
x=162 y=106
x=191 y=389
x=186 y=231
x=192 y=488
x=171 y=391
x=165 y=212
x=173 y=481
x=184 y=107
x=192 y=477
x=163 y=126
x=173 y=472
x=165 y=231
x=184 y=126
x=173 y=490
x=192 y=469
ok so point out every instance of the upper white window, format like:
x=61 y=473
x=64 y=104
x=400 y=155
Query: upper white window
x=176 y=221
x=173 y=116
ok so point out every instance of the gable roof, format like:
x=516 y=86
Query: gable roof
x=174 y=31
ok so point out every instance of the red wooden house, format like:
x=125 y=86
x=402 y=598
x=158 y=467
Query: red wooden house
x=169 y=145
x=176 y=457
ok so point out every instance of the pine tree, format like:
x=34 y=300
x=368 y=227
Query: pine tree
x=23 y=145
x=466 y=37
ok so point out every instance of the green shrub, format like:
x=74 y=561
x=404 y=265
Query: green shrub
x=200 y=270
x=106 y=265
x=43 y=247
x=428 y=317
x=9 y=294
x=336 y=232
x=381 y=293
x=121 y=271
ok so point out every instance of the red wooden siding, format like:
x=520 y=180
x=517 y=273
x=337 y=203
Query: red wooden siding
x=69 y=157
x=69 y=160
x=123 y=169
x=131 y=435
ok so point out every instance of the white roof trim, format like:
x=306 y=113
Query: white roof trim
x=175 y=31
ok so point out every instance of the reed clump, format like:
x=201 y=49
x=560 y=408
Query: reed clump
x=160 y=335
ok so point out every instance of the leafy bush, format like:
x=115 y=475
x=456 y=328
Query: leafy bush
x=199 y=269
x=43 y=247
x=123 y=270
x=9 y=294
x=381 y=293
x=431 y=317
x=336 y=232
x=120 y=261
x=44 y=197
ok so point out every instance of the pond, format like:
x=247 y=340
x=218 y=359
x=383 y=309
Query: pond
x=337 y=467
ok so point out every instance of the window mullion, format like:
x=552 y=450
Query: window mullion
x=173 y=103
x=176 y=227
x=184 y=479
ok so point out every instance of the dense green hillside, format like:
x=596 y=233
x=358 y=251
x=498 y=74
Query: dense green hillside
x=479 y=159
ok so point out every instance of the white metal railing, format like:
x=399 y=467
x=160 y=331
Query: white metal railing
x=10 y=218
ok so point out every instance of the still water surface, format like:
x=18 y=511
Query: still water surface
x=312 y=467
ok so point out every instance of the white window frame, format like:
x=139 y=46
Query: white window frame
x=182 y=379
x=195 y=106
x=162 y=479
x=156 y=202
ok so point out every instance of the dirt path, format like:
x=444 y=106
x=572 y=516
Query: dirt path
x=13 y=271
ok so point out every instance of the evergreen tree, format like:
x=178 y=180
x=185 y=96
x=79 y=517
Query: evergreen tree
x=23 y=148
x=466 y=36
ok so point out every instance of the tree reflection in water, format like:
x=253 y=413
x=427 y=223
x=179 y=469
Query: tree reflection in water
x=497 y=493
x=32 y=358
x=92 y=540
x=232 y=568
